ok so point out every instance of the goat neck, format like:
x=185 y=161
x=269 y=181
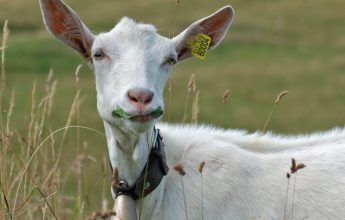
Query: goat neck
x=128 y=151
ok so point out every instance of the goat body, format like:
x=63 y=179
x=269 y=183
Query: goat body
x=245 y=174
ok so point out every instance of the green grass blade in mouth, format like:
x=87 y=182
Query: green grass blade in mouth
x=120 y=113
x=157 y=113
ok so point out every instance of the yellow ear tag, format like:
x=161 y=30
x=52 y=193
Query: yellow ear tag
x=199 y=45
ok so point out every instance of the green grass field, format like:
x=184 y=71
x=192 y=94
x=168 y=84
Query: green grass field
x=273 y=45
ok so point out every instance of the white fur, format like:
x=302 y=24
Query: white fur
x=245 y=174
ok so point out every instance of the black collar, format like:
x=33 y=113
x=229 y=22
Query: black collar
x=155 y=169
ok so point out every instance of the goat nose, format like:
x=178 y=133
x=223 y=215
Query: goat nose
x=140 y=96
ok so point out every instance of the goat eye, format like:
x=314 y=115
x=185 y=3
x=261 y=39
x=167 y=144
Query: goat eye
x=99 y=54
x=170 y=61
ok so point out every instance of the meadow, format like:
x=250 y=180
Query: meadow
x=273 y=46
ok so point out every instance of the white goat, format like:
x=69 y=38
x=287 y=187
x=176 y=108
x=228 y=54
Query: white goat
x=244 y=176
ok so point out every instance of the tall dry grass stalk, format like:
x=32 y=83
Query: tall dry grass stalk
x=294 y=168
x=195 y=107
x=4 y=175
x=276 y=102
x=31 y=178
x=8 y=133
x=288 y=175
x=5 y=35
x=25 y=177
x=293 y=171
x=31 y=129
x=180 y=170
x=51 y=181
x=225 y=99
x=70 y=118
x=78 y=170
x=38 y=126
x=191 y=90
x=201 y=169
x=3 y=79
x=72 y=113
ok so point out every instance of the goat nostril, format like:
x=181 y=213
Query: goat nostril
x=140 y=96
x=148 y=99
x=132 y=98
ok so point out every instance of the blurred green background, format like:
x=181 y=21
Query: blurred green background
x=273 y=45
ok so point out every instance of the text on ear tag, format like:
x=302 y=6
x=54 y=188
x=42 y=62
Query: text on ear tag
x=199 y=45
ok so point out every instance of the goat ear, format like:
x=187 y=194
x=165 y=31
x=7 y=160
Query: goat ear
x=62 y=22
x=215 y=26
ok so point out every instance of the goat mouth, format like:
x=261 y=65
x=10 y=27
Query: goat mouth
x=142 y=117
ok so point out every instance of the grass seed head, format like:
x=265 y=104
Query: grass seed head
x=5 y=35
x=300 y=166
x=179 y=168
x=50 y=77
x=192 y=83
x=201 y=166
x=226 y=96
x=293 y=165
x=280 y=96
x=77 y=77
